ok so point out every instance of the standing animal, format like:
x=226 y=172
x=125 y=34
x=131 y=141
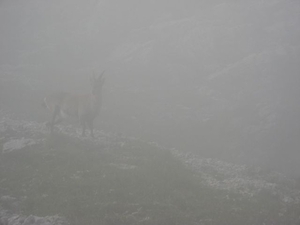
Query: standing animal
x=84 y=108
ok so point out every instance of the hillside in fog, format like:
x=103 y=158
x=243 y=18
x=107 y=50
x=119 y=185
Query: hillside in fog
x=66 y=179
x=199 y=121
x=217 y=78
x=224 y=79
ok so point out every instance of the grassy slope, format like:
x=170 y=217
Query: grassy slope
x=127 y=182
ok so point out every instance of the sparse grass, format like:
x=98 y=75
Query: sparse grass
x=132 y=183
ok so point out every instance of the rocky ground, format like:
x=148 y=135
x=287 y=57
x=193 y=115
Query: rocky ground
x=241 y=186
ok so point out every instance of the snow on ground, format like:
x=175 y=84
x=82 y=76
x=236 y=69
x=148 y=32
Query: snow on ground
x=241 y=179
x=246 y=181
x=8 y=217
x=17 y=144
x=34 y=132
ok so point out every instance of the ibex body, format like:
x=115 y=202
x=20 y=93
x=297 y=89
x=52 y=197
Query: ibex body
x=85 y=108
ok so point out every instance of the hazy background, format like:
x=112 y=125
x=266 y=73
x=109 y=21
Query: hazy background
x=220 y=78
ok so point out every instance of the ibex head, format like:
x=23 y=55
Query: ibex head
x=97 y=83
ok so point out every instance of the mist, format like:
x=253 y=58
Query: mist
x=220 y=79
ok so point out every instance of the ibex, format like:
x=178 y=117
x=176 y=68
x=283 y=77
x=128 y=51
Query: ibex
x=85 y=108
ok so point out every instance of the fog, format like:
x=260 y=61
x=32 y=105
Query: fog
x=218 y=78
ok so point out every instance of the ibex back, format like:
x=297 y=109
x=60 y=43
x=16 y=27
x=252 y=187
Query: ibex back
x=83 y=107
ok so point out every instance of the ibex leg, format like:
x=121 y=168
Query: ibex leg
x=55 y=113
x=91 y=128
x=83 y=128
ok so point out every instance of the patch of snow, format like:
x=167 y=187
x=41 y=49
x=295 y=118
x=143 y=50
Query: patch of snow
x=123 y=166
x=9 y=215
x=14 y=219
x=17 y=144
x=239 y=178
